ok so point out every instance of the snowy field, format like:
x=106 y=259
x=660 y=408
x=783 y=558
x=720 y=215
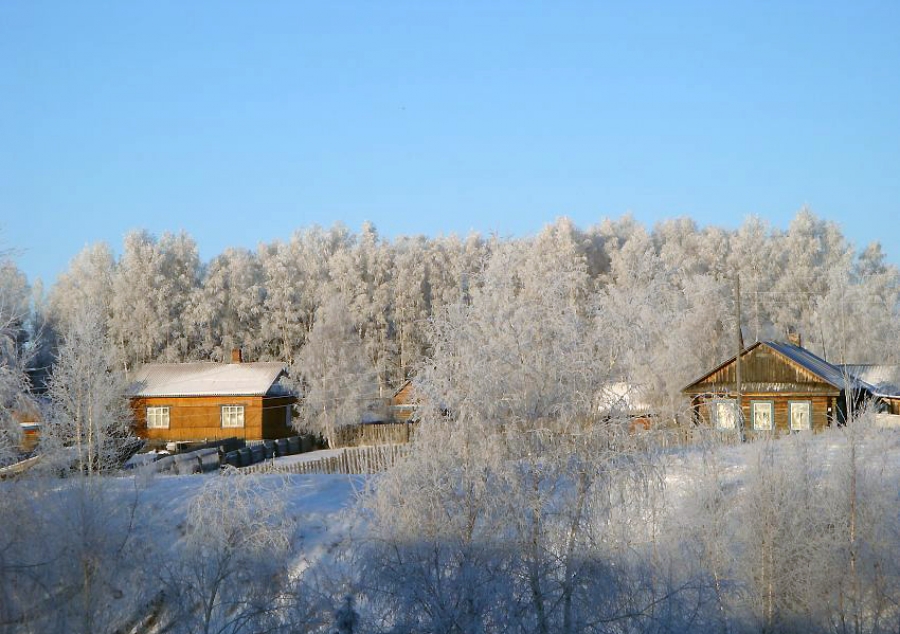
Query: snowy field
x=735 y=512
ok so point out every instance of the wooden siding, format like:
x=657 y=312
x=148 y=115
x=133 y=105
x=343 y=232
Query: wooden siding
x=764 y=371
x=275 y=417
x=200 y=417
x=402 y=403
x=824 y=408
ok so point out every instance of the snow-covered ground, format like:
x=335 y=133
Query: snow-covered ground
x=700 y=490
x=319 y=504
x=309 y=456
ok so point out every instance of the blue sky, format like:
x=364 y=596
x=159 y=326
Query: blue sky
x=240 y=122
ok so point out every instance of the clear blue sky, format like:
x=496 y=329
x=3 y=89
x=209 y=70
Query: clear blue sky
x=240 y=122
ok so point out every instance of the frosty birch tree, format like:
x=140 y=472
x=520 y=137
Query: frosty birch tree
x=227 y=307
x=87 y=282
x=89 y=412
x=337 y=378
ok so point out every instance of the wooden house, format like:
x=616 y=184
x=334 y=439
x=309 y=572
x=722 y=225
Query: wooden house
x=30 y=418
x=784 y=387
x=207 y=401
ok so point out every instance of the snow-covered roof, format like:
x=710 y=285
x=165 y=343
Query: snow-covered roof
x=885 y=379
x=624 y=398
x=207 y=379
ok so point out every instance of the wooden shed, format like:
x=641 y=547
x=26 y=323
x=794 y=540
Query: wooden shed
x=784 y=387
x=207 y=401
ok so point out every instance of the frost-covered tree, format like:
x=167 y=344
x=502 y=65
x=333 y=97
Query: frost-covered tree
x=88 y=282
x=412 y=303
x=288 y=303
x=178 y=275
x=227 y=307
x=228 y=572
x=136 y=324
x=337 y=380
x=90 y=421
x=14 y=357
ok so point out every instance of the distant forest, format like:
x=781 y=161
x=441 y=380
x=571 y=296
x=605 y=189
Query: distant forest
x=666 y=294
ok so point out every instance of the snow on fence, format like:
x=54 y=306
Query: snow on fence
x=354 y=460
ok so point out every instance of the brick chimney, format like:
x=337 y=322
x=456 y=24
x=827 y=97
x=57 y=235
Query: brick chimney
x=795 y=338
x=236 y=355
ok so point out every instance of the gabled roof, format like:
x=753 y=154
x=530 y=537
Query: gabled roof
x=827 y=372
x=207 y=379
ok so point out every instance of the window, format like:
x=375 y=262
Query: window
x=723 y=414
x=801 y=415
x=763 y=413
x=157 y=417
x=232 y=416
x=288 y=416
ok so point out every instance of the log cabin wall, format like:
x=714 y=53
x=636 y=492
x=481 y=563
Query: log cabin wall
x=200 y=417
x=402 y=404
x=823 y=409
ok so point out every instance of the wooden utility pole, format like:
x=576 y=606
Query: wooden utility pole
x=739 y=341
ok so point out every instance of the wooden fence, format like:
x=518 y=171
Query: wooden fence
x=354 y=460
x=374 y=434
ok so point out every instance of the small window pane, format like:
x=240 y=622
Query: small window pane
x=801 y=416
x=724 y=414
x=763 y=415
x=157 y=417
x=232 y=416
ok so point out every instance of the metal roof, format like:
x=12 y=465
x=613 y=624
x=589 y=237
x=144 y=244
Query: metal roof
x=885 y=379
x=828 y=372
x=207 y=379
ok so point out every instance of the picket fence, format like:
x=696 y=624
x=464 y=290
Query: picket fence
x=354 y=460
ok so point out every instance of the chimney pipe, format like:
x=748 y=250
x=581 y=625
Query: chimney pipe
x=236 y=355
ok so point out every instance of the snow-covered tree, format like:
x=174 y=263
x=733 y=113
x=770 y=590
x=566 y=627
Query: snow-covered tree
x=88 y=282
x=14 y=383
x=288 y=303
x=227 y=307
x=338 y=383
x=90 y=420
x=227 y=573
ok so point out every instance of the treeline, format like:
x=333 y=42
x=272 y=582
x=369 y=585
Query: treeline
x=674 y=282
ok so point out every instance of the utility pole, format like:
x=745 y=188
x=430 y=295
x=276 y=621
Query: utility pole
x=739 y=341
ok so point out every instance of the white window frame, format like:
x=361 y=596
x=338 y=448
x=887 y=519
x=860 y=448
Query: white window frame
x=232 y=417
x=158 y=417
x=762 y=406
x=809 y=411
x=717 y=409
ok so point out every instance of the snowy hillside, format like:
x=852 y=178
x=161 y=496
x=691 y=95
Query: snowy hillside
x=799 y=534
